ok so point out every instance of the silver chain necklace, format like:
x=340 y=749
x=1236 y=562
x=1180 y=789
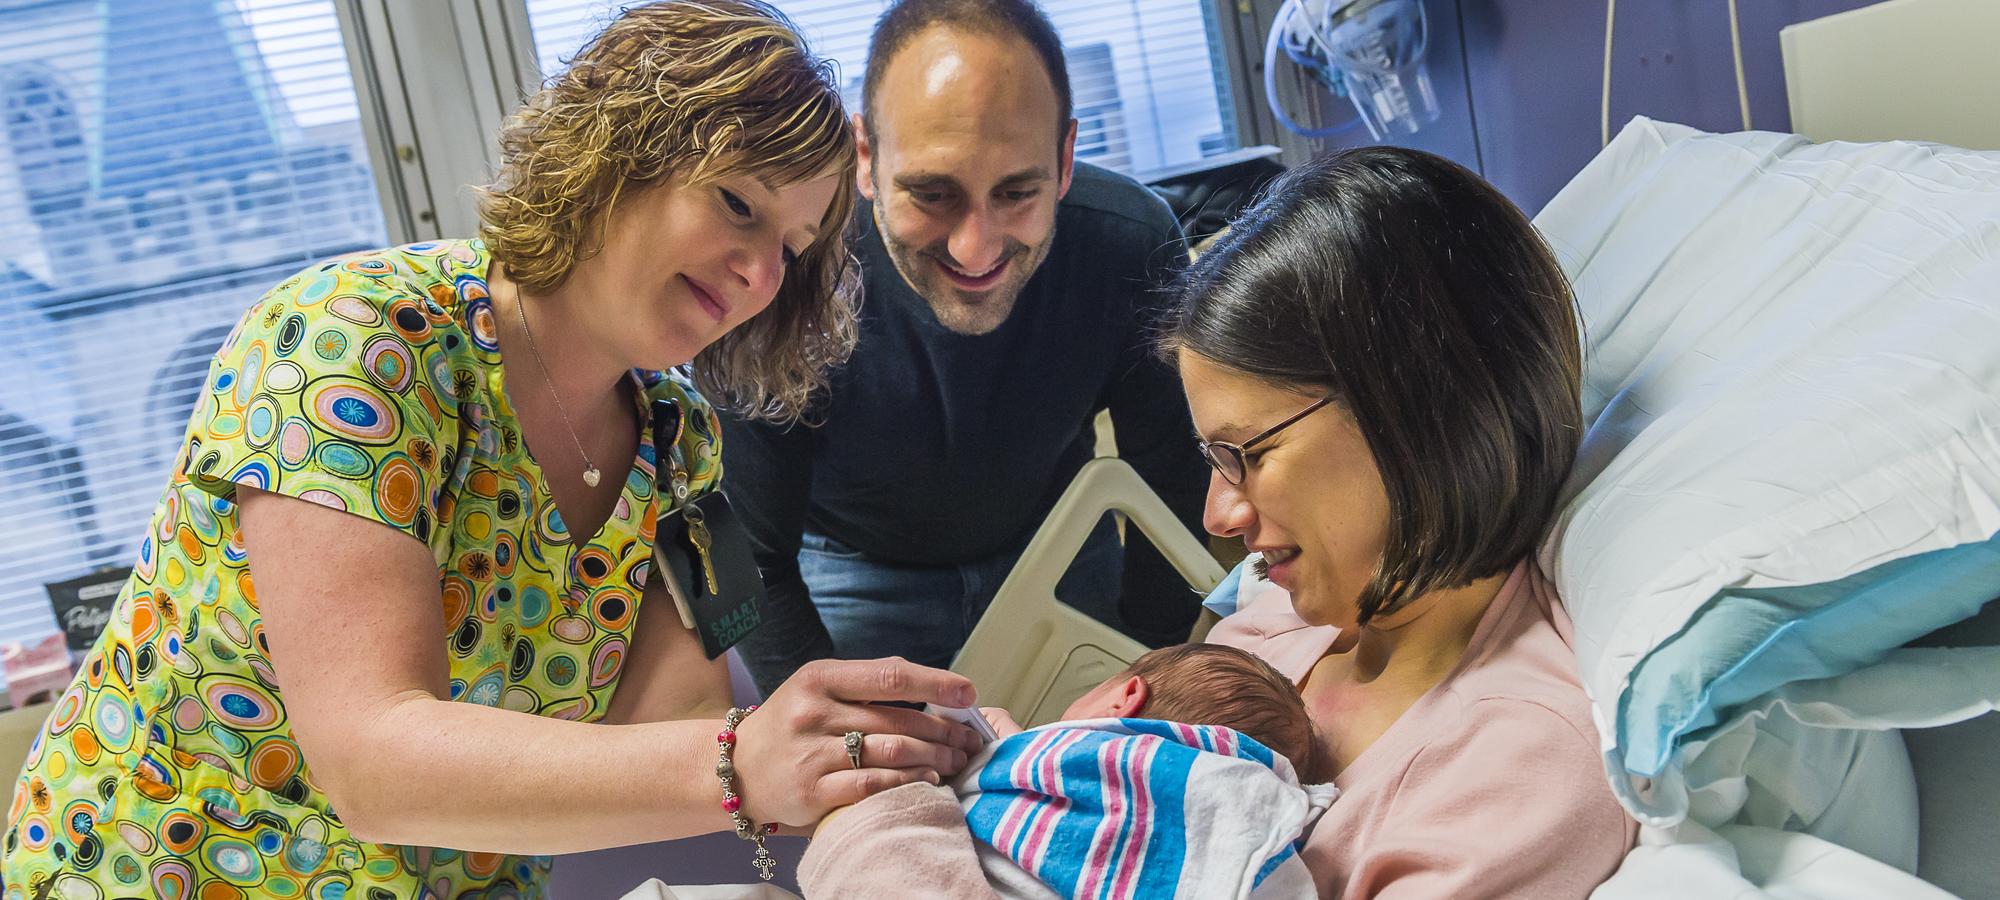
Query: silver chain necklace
x=590 y=473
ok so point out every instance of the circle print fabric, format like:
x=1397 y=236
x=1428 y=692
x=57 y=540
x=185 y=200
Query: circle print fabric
x=371 y=384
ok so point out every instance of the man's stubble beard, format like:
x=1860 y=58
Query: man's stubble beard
x=918 y=269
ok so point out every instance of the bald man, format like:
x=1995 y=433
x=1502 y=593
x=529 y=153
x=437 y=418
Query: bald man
x=1010 y=293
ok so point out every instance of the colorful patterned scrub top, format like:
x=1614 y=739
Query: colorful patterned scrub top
x=372 y=384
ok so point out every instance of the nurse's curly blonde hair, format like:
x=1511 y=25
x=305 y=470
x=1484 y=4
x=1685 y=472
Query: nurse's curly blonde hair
x=703 y=90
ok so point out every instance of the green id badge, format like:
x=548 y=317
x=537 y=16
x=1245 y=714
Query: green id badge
x=704 y=551
x=722 y=595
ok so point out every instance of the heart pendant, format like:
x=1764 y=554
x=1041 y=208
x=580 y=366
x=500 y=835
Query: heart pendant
x=590 y=476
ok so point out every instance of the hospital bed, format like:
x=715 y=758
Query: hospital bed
x=1792 y=385
x=1904 y=70
x=1824 y=785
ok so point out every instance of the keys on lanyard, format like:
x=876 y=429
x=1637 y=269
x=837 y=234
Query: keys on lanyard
x=698 y=535
x=723 y=600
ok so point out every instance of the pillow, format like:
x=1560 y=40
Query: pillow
x=1792 y=390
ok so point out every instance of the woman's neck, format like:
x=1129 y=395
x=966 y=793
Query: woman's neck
x=547 y=350
x=1421 y=642
x=1357 y=691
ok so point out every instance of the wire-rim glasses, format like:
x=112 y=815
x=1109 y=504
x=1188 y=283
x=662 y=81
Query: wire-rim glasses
x=1228 y=459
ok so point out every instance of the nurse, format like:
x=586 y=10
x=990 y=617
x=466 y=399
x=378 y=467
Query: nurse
x=399 y=592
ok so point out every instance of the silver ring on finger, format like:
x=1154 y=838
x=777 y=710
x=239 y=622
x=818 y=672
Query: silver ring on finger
x=853 y=742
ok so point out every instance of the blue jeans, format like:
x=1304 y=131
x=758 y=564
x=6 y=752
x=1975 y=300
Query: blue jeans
x=874 y=609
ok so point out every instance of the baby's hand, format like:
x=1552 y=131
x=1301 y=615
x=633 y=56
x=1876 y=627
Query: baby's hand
x=976 y=719
x=1003 y=724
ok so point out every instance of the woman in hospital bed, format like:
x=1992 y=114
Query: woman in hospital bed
x=1382 y=360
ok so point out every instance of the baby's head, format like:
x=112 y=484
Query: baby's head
x=1209 y=684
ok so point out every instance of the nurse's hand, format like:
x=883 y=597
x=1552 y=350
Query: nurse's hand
x=791 y=759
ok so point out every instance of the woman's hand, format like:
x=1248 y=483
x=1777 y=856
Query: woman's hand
x=792 y=764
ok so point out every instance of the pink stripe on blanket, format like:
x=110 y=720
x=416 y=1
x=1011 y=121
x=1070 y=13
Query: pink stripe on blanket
x=1037 y=768
x=1013 y=820
x=1045 y=817
x=1104 y=841
x=1140 y=831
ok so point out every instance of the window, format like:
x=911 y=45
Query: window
x=1144 y=74
x=43 y=133
x=162 y=164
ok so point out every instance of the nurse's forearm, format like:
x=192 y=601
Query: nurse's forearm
x=428 y=772
x=354 y=627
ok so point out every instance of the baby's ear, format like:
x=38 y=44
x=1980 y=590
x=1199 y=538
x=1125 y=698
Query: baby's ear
x=1130 y=700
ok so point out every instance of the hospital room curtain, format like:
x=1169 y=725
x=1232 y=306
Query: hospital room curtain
x=1146 y=75
x=162 y=164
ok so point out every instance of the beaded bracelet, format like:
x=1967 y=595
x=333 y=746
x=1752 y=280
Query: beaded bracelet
x=733 y=804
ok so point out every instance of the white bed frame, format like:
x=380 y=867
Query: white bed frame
x=1033 y=654
x=1905 y=70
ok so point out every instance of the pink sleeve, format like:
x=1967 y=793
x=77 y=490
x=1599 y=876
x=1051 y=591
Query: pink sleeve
x=896 y=842
x=1513 y=805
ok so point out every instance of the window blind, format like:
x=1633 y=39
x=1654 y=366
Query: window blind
x=162 y=164
x=1146 y=76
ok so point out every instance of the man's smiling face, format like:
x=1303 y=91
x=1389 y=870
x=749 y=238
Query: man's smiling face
x=965 y=160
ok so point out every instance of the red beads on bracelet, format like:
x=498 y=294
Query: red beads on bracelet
x=725 y=769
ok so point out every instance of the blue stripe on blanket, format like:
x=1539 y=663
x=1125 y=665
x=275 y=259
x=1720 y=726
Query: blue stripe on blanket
x=1080 y=807
x=1271 y=865
x=1166 y=841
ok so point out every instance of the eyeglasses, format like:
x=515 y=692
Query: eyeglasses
x=1228 y=459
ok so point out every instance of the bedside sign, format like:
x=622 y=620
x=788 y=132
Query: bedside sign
x=83 y=605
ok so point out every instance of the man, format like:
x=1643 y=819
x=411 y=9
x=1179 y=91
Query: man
x=1009 y=296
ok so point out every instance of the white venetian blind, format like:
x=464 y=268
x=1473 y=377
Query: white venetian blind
x=1145 y=75
x=162 y=164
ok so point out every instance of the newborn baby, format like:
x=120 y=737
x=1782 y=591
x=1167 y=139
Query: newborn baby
x=1190 y=774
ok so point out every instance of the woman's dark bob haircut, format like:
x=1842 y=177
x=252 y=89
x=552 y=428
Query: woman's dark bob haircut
x=1426 y=304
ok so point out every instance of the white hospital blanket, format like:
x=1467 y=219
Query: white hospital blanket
x=1809 y=793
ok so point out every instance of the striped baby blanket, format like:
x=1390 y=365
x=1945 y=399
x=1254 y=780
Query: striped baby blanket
x=1132 y=808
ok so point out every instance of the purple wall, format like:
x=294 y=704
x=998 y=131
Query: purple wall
x=1518 y=80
